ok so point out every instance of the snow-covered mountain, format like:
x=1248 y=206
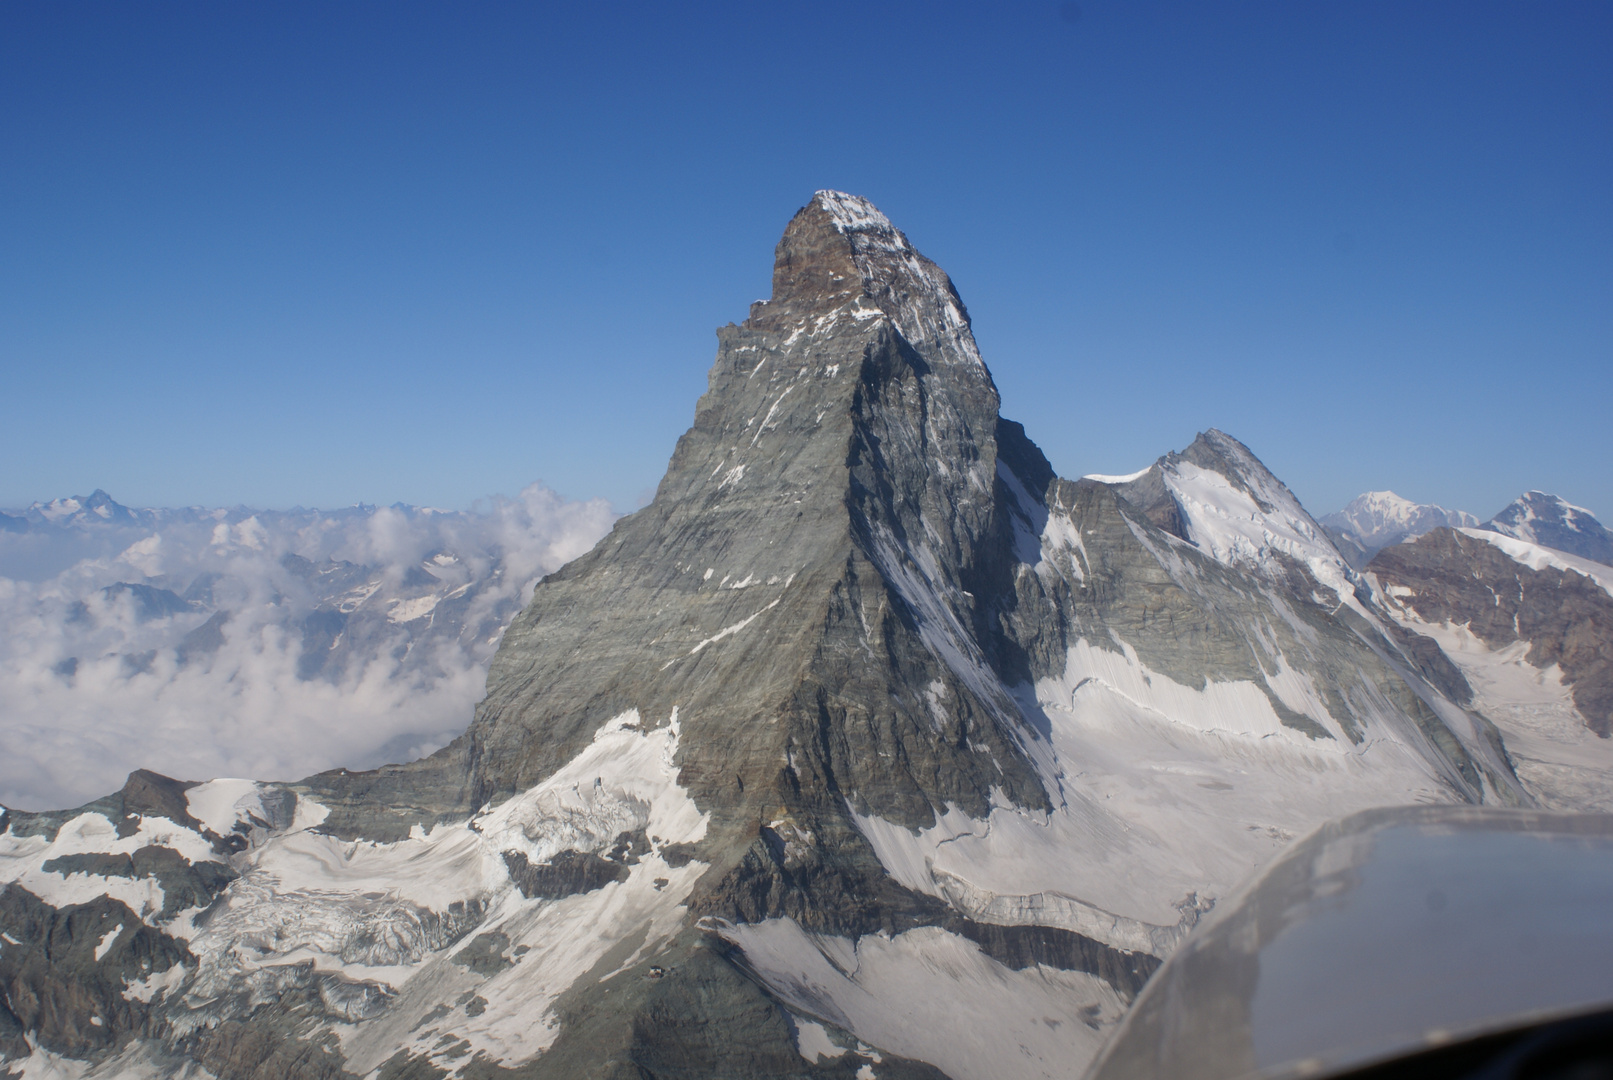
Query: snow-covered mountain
x=1378 y=519
x=871 y=747
x=93 y=510
x=1552 y=522
x=1219 y=497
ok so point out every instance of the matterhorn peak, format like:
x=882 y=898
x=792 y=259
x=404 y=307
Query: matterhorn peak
x=841 y=258
x=853 y=213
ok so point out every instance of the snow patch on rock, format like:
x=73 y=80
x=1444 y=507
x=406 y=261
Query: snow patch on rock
x=934 y=996
x=137 y=1061
x=1538 y=557
x=22 y=861
x=624 y=780
x=1106 y=478
x=156 y=985
x=1165 y=792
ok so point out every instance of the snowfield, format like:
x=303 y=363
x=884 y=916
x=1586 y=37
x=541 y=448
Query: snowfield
x=393 y=922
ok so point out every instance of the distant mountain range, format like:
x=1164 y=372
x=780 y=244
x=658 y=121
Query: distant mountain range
x=99 y=508
x=160 y=628
x=1379 y=519
x=210 y=566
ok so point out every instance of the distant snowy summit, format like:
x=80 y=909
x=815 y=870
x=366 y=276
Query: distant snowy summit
x=1377 y=519
x=1555 y=523
x=74 y=511
x=1380 y=519
x=98 y=508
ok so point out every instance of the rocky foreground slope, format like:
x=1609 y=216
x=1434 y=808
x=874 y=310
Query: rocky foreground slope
x=1531 y=630
x=870 y=748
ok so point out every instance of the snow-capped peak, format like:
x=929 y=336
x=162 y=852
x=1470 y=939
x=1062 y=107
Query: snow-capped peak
x=1237 y=512
x=1218 y=496
x=1554 y=522
x=853 y=213
x=1377 y=519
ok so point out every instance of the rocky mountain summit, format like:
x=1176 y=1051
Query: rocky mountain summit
x=1553 y=522
x=869 y=748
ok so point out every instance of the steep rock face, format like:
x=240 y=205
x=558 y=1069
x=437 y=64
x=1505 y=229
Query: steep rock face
x=1552 y=522
x=869 y=739
x=829 y=462
x=1532 y=631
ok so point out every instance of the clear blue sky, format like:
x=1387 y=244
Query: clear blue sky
x=324 y=253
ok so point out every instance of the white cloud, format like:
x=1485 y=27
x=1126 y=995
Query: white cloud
x=306 y=673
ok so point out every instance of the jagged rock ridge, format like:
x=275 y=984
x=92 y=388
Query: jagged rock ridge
x=868 y=722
